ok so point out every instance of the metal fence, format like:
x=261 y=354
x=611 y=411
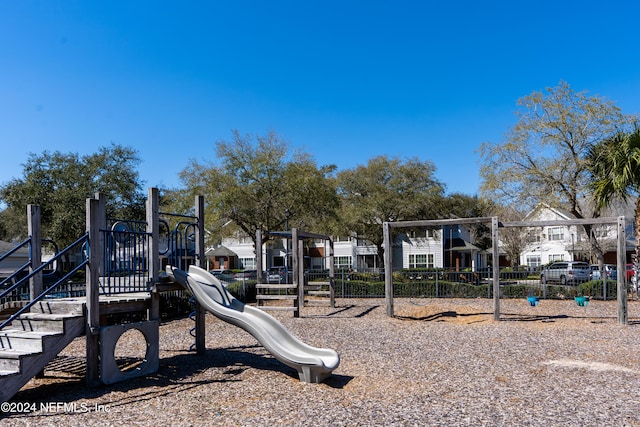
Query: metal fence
x=442 y=283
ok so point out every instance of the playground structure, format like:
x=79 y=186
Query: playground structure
x=495 y=224
x=122 y=261
x=322 y=291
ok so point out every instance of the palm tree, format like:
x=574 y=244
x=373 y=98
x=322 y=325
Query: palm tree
x=615 y=168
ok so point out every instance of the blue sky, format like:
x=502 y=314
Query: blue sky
x=343 y=80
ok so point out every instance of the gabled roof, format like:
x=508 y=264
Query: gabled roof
x=220 y=251
x=560 y=213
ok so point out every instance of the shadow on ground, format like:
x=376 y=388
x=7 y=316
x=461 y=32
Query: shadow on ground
x=348 y=311
x=64 y=379
x=477 y=317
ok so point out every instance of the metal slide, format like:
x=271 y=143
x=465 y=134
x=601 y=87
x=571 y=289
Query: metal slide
x=313 y=364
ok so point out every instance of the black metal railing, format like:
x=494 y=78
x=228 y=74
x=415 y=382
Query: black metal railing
x=21 y=286
x=179 y=233
x=125 y=257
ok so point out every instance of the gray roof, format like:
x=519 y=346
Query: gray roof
x=7 y=246
x=220 y=251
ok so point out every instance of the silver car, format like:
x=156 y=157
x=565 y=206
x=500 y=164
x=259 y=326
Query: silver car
x=610 y=271
x=566 y=272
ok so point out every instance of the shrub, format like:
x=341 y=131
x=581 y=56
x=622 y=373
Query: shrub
x=595 y=289
x=243 y=291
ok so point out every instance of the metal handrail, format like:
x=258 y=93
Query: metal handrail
x=43 y=294
x=15 y=273
x=25 y=265
x=44 y=265
x=3 y=256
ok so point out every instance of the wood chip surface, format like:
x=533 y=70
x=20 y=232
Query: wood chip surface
x=441 y=362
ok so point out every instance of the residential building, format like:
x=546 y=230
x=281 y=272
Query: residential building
x=544 y=245
x=438 y=247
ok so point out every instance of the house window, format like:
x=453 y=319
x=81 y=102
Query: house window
x=363 y=242
x=421 y=261
x=556 y=257
x=423 y=233
x=602 y=231
x=248 y=263
x=533 y=261
x=342 y=262
x=556 y=233
x=533 y=236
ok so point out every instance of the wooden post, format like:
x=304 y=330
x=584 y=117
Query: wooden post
x=258 y=250
x=94 y=216
x=388 y=273
x=332 y=282
x=300 y=270
x=35 y=250
x=623 y=318
x=495 y=268
x=34 y=220
x=200 y=312
x=153 y=257
x=299 y=302
x=101 y=225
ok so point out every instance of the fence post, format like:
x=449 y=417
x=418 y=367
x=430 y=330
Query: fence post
x=35 y=249
x=94 y=218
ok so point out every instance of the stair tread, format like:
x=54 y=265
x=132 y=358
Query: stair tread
x=21 y=333
x=277 y=308
x=276 y=286
x=6 y=372
x=16 y=354
x=283 y=297
x=48 y=316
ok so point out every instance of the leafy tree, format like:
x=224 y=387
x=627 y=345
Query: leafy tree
x=387 y=189
x=543 y=158
x=60 y=183
x=615 y=168
x=258 y=184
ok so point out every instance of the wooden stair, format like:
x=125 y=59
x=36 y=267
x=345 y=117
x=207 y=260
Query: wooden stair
x=280 y=296
x=319 y=294
x=36 y=338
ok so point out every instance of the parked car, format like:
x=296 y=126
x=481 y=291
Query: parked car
x=277 y=275
x=567 y=272
x=610 y=271
x=225 y=276
x=630 y=271
x=246 y=275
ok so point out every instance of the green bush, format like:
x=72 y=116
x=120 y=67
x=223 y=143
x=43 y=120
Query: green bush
x=246 y=293
x=595 y=289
